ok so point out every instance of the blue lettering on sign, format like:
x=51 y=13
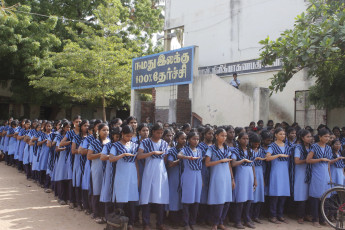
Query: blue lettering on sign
x=174 y=67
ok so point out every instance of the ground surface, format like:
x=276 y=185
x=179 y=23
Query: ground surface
x=23 y=205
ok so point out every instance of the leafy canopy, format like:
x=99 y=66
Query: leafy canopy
x=317 y=45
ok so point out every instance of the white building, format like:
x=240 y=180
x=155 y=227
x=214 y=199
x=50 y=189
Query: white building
x=227 y=34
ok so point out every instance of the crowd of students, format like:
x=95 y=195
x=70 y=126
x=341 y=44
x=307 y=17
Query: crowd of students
x=203 y=174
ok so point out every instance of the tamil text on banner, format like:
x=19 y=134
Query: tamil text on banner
x=174 y=67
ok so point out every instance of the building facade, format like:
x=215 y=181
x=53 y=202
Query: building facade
x=227 y=34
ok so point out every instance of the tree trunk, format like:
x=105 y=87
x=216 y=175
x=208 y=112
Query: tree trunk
x=103 y=105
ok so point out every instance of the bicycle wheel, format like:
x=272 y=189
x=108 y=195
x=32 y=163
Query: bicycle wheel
x=333 y=207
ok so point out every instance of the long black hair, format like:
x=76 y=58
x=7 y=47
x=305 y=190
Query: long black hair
x=83 y=122
x=155 y=127
x=100 y=127
x=218 y=131
x=250 y=154
x=300 y=135
x=63 y=125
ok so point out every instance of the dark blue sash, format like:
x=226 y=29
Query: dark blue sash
x=238 y=151
x=194 y=164
x=120 y=149
x=149 y=147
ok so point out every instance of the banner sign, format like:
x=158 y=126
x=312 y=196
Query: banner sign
x=174 y=67
x=251 y=66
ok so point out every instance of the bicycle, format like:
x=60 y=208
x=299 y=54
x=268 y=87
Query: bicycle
x=333 y=206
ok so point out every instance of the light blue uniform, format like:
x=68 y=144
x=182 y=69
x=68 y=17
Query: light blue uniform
x=61 y=167
x=86 y=170
x=337 y=171
x=108 y=178
x=12 y=143
x=76 y=179
x=51 y=155
x=205 y=173
x=244 y=178
x=22 y=144
x=220 y=188
x=174 y=181
x=44 y=153
x=191 y=180
x=279 y=184
x=70 y=157
x=26 y=155
x=259 y=193
x=301 y=188
x=35 y=152
x=126 y=179
x=155 y=185
x=16 y=151
x=319 y=171
x=96 y=168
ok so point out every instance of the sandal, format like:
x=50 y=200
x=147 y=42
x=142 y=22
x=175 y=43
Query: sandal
x=282 y=219
x=257 y=220
x=274 y=220
x=99 y=220
x=300 y=221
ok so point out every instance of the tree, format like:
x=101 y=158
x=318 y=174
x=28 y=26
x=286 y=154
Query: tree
x=95 y=65
x=24 y=49
x=317 y=45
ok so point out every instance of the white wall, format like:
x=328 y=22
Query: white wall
x=219 y=103
x=281 y=104
x=229 y=31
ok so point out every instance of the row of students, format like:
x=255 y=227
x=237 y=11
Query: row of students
x=94 y=166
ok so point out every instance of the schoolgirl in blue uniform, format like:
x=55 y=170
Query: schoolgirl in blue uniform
x=155 y=186
x=52 y=158
x=12 y=143
x=6 y=141
x=23 y=132
x=174 y=177
x=191 y=180
x=319 y=156
x=44 y=154
x=77 y=173
x=301 y=179
x=206 y=141
x=34 y=151
x=291 y=137
x=61 y=167
x=86 y=170
x=259 y=191
x=222 y=181
x=279 y=183
x=16 y=151
x=1 y=137
x=94 y=154
x=26 y=157
x=125 y=191
x=143 y=132
x=337 y=163
x=109 y=171
x=245 y=179
x=67 y=142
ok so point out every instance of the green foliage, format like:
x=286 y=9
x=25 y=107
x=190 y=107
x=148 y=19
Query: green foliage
x=95 y=65
x=24 y=46
x=83 y=53
x=317 y=45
